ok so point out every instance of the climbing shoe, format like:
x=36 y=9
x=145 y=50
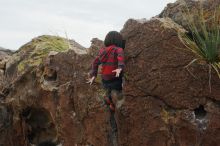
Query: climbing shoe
x=107 y=100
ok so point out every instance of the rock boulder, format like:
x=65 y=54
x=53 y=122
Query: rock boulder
x=164 y=103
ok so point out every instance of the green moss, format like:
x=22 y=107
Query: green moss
x=39 y=48
x=126 y=76
x=99 y=79
x=20 y=66
x=165 y=116
x=168 y=117
x=101 y=93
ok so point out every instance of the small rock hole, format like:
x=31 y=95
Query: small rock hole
x=50 y=75
x=200 y=112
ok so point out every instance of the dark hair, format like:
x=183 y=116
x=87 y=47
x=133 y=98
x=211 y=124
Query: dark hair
x=123 y=44
x=47 y=143
x=114 y=38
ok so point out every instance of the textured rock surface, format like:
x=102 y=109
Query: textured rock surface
x=46 y=97
x=93 y=50
x=177 y=11
x=7 y=51
x=5 y=54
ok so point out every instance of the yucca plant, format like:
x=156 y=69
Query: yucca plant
x=204 y=38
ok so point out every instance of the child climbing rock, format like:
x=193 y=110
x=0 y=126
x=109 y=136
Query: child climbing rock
x=111 y=57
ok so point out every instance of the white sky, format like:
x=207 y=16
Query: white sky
x=82 y=20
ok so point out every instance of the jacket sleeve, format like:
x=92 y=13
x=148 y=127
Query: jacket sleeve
x=120 y=57
x=95 y=66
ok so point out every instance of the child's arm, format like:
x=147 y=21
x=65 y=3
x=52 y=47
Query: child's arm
x=95 y=66
x=120 y=58
x=121 y=64
x=94 y=71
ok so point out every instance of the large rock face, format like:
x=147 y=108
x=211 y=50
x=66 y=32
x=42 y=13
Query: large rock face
x=46 y=97
x=49 y=97
x=165 y=104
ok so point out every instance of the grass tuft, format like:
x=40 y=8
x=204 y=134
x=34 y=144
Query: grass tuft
x=203 y=37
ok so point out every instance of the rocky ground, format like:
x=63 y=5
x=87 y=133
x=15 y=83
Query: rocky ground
x=45 y=96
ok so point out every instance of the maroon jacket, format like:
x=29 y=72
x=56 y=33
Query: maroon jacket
x=111 y=58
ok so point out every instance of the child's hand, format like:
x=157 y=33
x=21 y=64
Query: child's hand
x=90 y=80
x=117 y=71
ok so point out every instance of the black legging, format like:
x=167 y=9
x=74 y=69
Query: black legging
x=115 y=84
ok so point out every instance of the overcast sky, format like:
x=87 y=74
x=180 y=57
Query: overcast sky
x=82 y=20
